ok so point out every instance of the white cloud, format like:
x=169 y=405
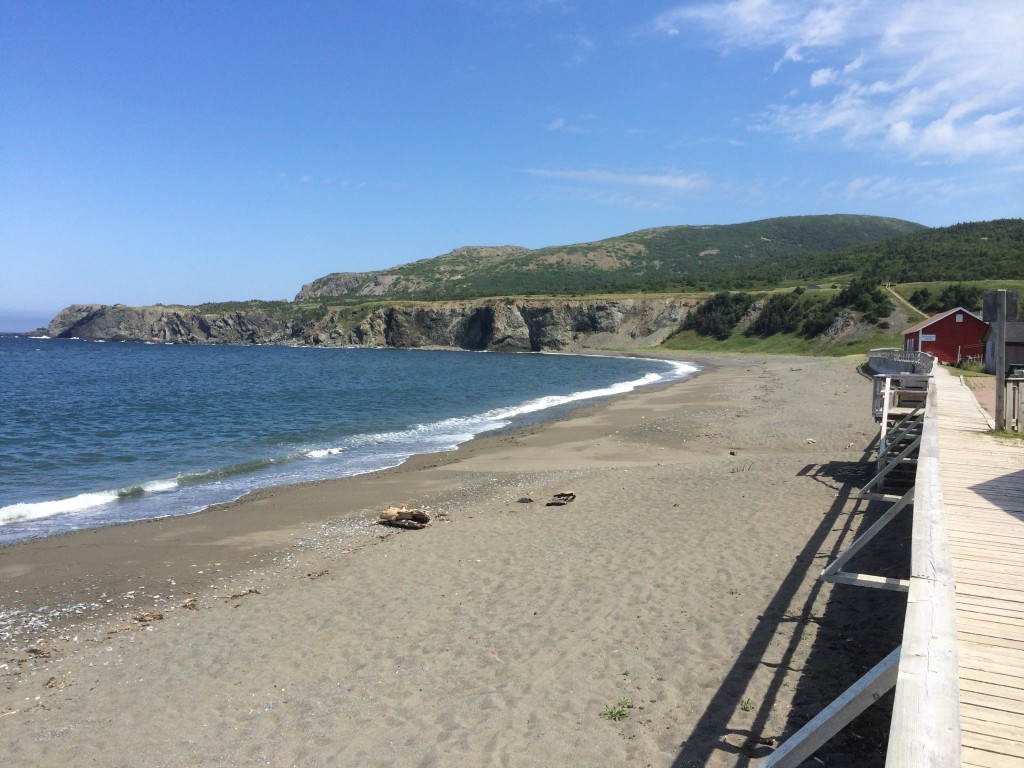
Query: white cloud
x=680 y=182
x=888 y=188
x=934 y=79
x=740 y=23
x=822 y=77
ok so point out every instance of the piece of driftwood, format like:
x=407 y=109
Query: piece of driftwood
x=236 y=596
x=403 y=517
x=561 y=499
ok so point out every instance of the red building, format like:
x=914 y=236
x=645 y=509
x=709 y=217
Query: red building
x=950 y=336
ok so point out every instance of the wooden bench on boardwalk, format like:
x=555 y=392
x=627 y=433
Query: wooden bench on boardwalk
x=959 y=673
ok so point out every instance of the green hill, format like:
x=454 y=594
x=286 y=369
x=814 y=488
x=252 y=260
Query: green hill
x=680 y=258
x=986 y=250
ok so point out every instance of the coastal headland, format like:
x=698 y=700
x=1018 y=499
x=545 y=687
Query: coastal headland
x=670 y=615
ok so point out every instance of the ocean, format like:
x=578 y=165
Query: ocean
x=94 y=434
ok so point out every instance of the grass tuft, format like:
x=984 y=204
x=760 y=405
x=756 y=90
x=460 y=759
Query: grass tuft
x=619 y=711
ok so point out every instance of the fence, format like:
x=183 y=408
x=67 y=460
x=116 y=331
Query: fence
x=893 y=361
x=925 y=728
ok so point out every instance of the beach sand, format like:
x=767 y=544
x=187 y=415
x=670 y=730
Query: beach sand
x=680 y=585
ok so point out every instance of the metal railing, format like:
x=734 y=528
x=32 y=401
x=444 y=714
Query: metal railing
x=890 y=360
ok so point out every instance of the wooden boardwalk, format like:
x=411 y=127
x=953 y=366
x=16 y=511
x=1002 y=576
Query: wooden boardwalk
x=982 y=481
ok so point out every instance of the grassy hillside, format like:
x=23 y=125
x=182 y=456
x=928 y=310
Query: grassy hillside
x=985 y=250
x=849 y=320
x=682 y=258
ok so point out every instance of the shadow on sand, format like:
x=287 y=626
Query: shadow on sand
x=856 y=630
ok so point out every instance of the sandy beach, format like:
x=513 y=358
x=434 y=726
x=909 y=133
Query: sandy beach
x=679 y=590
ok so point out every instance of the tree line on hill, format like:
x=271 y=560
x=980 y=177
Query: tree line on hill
x=952 y=296
x=984 y=250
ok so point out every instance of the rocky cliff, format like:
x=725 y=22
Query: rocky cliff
x=502 y=325
x=178 y=325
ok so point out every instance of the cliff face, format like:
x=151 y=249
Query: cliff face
x=506 y=326
x=515 y=326
x=179 y=325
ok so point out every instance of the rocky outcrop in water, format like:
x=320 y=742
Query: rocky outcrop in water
x=496 y=325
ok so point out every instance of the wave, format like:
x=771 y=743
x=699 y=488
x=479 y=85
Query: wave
x=83 y=502
x=355 y=454
x=448 y=434
x=321 y=453
x=25 y=511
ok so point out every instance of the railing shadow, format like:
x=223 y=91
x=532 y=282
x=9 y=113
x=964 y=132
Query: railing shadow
x=1004 y=492
x=857 y=628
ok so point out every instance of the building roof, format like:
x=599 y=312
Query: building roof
x=941 y=316
x=1014 y=332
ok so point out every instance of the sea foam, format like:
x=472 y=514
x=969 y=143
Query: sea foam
x=40 y=509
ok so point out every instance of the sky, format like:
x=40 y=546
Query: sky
x=218 y=150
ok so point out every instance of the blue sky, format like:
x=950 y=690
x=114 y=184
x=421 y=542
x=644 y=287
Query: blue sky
x=193 y=151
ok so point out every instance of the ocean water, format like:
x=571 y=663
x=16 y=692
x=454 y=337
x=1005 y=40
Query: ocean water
x=94 y=433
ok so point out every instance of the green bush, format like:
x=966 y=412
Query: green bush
x=952 y=296
x=718 y=315
x=781 y=314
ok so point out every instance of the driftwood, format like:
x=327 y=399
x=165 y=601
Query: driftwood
x=249 y=591
x=403 y=517
x=560 y=499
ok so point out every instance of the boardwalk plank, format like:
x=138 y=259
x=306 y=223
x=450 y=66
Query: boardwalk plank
x=983 y=497
x=991 y=628
x=968 y=614
x=995 y=690
x=985 y=674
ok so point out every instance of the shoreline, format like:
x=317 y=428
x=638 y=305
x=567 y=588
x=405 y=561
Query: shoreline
x=497 y=635
x=21 y=569
x=137 y=498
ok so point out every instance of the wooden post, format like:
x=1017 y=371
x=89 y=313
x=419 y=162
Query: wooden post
x=999 y=329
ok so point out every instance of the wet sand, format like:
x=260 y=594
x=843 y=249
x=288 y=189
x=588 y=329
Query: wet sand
x=678 y=589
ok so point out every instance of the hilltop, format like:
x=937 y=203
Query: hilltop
x=676 y=258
